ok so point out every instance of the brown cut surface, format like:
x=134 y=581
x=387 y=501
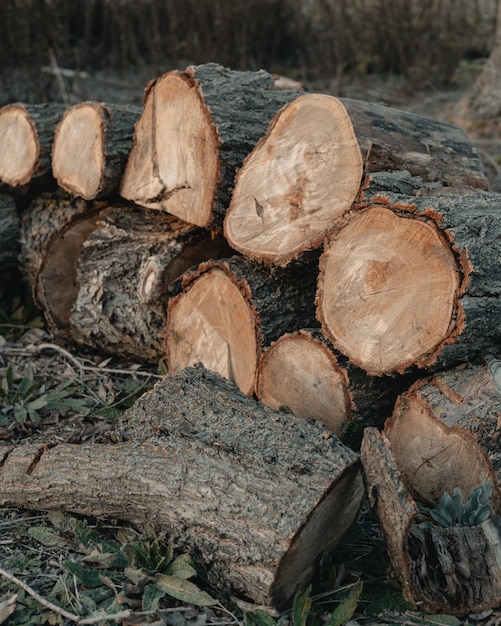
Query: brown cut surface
x=78 y=158
x=19 y=148
x=300 y=372
x=173 y=165
x=299 y=179
x=388 y=290
x=213 y=323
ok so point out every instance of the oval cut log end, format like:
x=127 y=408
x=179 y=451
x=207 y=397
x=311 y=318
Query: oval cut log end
x=301 y=176
x=301 y=373
x=78 y=158
x=388 y=290
x=212 y=322
x=19 y=146
x=174 y=165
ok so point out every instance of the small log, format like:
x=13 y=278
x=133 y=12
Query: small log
x=303 y=372
x=199 y=459
x=26 y=137
x=230 y=309
x=195 y=130
x=452 y=570
x=306 y=171
x=413 y=282
x=91 y=146
x=10 y=233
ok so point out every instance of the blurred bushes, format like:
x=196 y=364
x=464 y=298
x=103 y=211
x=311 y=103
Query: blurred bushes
x=423 y=40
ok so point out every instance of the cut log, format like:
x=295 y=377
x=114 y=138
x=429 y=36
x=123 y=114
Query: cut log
x=452 y=570
x=257 y=496
x=306 y=172
x=195 y=130
x=300 y=178
x=230 y=309
x=91 y=147
x=302 y=371
x=102 y=275
x=444 y=433
x=414 y=282
x=26 y=137
x=10 y=234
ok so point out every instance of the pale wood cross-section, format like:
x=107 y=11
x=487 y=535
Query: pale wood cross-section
x=302 y=176
x=26 y=135
x=91 y=147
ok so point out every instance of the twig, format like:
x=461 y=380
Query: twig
x=114 y=617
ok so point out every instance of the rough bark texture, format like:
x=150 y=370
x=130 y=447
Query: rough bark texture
x=26 y=137
x=91 y=147
x=229 y=310
x=420 y=285
x=453 y=570
x=10 y=233
x=196 y=128
x=299 y=179
x=257 y=496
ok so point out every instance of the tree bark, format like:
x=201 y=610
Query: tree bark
x=413 y=282
x=10 y=233
x=230 y=309
x=195 y=130
x=305 y=173
x=453 y=570
x=26 y=137
x=257 y=496
x=91 y=146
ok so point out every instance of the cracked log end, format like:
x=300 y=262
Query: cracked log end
x=78 y=159
x=301 y=176
x=388 y=290
x=300 y=372
x=174 y=165
x=213 y=322
x=20 y=149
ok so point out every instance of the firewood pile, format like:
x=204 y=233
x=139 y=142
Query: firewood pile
x=332 y=263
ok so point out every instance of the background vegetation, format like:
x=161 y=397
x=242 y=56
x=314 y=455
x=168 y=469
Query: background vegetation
x=422 y=40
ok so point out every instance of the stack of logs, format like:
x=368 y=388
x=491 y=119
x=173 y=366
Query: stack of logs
x=332 y=256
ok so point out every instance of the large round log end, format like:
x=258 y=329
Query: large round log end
x=20 y=149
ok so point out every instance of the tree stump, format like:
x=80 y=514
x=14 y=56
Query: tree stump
x=413 y=282
x=91 y=147
x=195 y=130
x=256 y=495
x=230 y=309
x=453 y=570
x=26 y=137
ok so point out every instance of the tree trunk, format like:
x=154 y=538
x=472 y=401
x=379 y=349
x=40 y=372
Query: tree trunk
x=102 y=275
x=301 y=371
x=26 y=137
x=306 y=172
x=195 y=130
x=413 y=282
x=257 y=496
x=91 y=146
x=230 y=309
x=444 y=433
x=10 y=233
x=453 y=570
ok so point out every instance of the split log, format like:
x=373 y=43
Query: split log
x=10 y=233
x=306 y=172
x=230 y=309
x=91 y=147
x=302 y=371
x=195 y=130
x=413 y=282
x=257 y=496
x=101 y=274
x=453 y=570
x=444 y=432
x=26 y=137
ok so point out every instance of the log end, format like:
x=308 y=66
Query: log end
x=19 y=146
